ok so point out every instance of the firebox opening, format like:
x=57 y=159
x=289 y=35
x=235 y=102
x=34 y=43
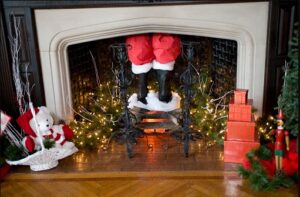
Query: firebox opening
x=216 y=57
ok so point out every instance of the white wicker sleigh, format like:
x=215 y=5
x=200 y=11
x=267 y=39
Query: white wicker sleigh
x=44 y=159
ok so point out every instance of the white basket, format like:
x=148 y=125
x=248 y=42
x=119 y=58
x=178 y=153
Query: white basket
x=61 y=153
x=44 y=160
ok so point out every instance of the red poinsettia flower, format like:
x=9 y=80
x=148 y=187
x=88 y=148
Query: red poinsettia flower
x=293 y=156
x=269 y=166
x=293 y=146
x=271 y=146
x=246 y=164
x=290 y=163
x=289 y=167
x=290 y=160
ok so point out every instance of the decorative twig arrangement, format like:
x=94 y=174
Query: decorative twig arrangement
x=22 y=88
x=15 y=46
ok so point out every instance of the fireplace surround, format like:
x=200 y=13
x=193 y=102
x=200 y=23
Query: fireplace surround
x=245 y=23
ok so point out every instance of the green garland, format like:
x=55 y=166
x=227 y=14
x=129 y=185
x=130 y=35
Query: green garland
x=257 y=175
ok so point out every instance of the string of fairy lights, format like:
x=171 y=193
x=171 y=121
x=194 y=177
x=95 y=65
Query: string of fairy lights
x=93 y=126
x=264 y=126
x=209 y=114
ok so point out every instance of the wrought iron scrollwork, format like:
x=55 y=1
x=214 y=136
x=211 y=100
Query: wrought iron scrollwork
x=185 y=134
x=128 y=133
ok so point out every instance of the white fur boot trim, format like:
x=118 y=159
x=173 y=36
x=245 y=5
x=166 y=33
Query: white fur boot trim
x=153 y=103
x=166 y=66
x=142 y=68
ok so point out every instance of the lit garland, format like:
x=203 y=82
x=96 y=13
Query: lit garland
x=209 y=115
x=263 y=126
x=92 y=127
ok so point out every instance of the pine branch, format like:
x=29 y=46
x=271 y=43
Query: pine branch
x=257 y=176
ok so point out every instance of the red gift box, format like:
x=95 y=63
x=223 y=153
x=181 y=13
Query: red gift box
x=241 y=131
x=240 y=96
x=240 y=112
x=235 y=151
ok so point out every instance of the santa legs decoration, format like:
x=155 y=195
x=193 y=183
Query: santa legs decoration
x=159 y=52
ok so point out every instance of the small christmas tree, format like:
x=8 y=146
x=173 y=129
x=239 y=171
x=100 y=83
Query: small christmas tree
x=93 y=126
x=288 y=100
x=209 y=114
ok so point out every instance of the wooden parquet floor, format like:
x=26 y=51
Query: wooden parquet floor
x=200 y=185
x=155 y=172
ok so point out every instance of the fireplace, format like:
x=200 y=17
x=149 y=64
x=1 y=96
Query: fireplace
x=91 y=63
x=246 y=23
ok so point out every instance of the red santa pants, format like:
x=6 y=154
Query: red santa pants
x=158 y=51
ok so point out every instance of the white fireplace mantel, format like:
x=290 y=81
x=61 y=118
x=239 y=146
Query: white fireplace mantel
x=245 y=23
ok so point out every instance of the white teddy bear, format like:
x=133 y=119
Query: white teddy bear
x=59 y=133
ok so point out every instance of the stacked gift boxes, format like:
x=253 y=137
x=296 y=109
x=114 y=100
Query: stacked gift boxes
x=240 y=136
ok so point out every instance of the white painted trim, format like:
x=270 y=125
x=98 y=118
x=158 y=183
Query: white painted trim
x=237 y=21
x=166 y=66
x=143 y=68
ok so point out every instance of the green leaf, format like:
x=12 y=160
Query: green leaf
x=243 y=172
x=263 y=153
x=48 y=143
x=13 y=153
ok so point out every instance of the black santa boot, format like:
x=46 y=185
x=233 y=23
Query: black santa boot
x=164 y=93
x=142 y=86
